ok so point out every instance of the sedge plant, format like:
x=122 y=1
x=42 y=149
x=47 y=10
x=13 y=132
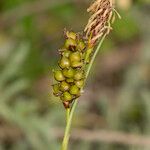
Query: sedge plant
x=77 y=56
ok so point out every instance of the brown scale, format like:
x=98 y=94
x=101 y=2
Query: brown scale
x=101 y=11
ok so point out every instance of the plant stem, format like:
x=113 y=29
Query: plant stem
x=67 y=114
x=71 y=113
x=66 y=138
x=94 y=55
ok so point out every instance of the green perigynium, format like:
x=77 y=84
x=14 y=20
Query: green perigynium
x=58 y=75
x=64 y=62
x=71 y=76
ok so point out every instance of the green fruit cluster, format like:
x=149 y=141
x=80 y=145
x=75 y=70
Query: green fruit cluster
x=71 y=75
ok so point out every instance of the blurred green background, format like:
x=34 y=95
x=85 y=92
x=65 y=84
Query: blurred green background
x=116 y=100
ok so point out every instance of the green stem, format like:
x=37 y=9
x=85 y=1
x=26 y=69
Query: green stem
x=66 y=138
x=67 y=114
x=94 y=55
x=71 y=113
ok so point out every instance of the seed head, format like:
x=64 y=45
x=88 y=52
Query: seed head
x=70 y=76
x=77 y=52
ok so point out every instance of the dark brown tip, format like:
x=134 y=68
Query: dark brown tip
x=66 y=105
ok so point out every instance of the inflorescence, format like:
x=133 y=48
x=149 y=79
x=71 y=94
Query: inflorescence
x=77 y=52
x=71 y=75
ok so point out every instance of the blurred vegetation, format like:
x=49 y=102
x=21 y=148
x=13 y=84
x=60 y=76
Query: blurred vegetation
x=117 y=95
